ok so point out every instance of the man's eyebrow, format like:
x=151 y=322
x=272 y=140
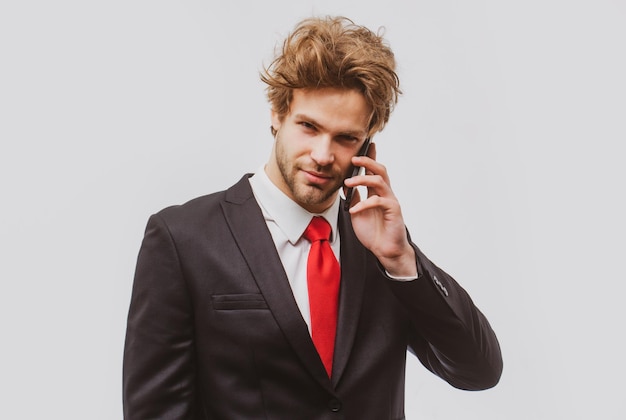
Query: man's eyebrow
x=354 y=133
x=308 y=119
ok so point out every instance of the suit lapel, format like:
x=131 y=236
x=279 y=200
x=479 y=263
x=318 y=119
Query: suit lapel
x=353 y=259
x=246 y=222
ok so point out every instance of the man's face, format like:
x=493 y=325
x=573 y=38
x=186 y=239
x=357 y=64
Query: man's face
x=315 y=142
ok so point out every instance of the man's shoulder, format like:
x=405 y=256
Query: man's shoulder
x=199 y=207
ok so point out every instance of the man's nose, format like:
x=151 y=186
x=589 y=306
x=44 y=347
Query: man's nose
x=322 y=151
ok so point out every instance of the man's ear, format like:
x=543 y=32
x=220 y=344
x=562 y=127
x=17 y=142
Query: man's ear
x=277 y=121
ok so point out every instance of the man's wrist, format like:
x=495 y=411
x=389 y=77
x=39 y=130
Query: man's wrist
x=403 y=267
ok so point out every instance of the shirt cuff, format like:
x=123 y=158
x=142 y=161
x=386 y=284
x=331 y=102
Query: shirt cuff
x=397 y=278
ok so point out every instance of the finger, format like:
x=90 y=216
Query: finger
x=371 y=166
x=376 y=184
x=373 y=202
x=371 y=153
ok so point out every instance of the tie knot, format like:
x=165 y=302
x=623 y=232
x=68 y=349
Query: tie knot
x=317 y=230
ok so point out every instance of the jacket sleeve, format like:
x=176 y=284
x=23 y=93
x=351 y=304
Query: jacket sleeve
x=158 y=374
x=450 y=335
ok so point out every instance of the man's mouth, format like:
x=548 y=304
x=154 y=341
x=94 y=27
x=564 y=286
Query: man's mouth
x=315 y=177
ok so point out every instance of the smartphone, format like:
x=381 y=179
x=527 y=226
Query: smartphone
x=355 y=171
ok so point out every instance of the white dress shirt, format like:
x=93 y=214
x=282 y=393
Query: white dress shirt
x=286 y=221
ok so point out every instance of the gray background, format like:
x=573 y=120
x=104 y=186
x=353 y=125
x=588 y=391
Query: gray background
x=505 y=150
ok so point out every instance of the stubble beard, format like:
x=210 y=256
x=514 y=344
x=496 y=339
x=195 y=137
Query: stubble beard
x=304 y=194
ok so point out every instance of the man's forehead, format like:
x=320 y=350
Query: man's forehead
x=344 y=110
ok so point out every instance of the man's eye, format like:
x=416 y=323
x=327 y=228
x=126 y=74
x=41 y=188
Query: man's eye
x=349 y=139
x=307 y=125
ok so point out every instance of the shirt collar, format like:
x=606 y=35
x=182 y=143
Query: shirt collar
x=286 y=213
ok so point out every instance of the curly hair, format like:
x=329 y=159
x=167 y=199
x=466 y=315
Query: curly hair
x=333 y=52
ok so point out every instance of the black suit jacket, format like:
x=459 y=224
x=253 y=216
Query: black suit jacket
x=214 y=331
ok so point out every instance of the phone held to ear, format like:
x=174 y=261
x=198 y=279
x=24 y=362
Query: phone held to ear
x=355 y=171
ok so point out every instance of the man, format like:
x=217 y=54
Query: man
x=239 y=312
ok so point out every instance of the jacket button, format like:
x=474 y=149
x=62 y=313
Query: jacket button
x=334 y=405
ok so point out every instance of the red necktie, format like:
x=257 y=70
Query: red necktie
x=323 y=274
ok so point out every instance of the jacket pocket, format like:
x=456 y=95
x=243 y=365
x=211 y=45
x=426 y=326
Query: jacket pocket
x=238 y=302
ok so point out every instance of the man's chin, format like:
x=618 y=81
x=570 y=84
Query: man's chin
x=314 y=196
